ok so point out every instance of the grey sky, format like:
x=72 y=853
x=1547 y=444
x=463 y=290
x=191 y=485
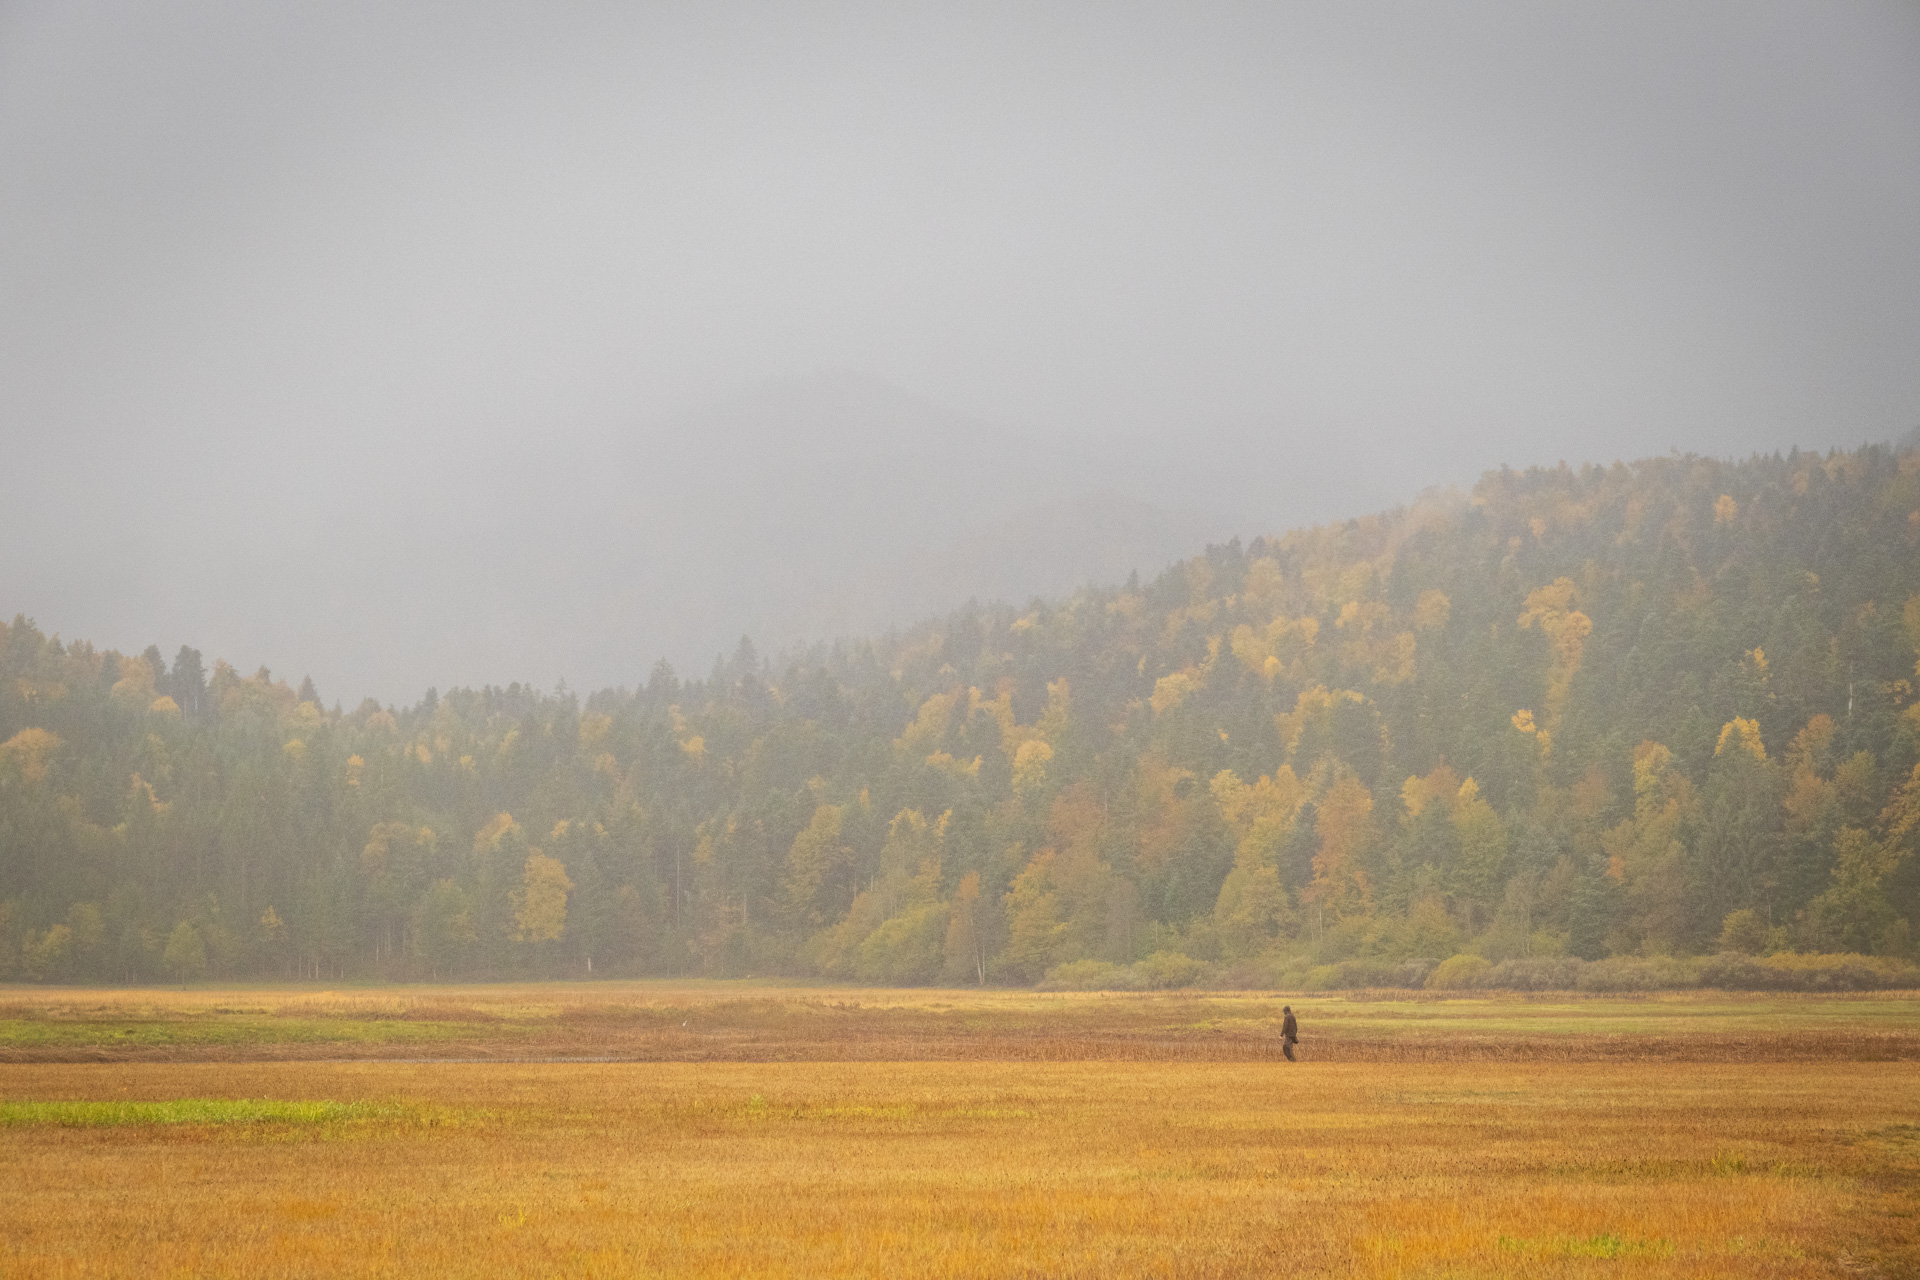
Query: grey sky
x=456 y=343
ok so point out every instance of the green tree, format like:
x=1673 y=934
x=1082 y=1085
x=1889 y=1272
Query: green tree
x=1854 y=914
x=1735 y=854
x=443 y=928
x=49 y=955
x=1253 y=909
x=186 y=953
x=89 y=929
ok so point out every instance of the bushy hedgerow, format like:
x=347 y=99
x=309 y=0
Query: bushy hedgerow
x=1788 y=971
x=1635 y=973
x=1348 y=975
x=1463 y=972
x=1161 y=971
x=1534 y=973
x=1728 y=971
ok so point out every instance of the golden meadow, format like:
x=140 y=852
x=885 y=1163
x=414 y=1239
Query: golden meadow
x=730 y=1129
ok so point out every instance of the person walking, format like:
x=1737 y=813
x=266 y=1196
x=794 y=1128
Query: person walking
x=1289 y=1032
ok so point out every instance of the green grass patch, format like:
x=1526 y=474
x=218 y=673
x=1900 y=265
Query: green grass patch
x=20 y=1033
x=209 y=1111
x=1604 y=1245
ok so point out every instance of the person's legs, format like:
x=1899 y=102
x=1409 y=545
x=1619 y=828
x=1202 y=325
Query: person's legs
x=1287 y=1049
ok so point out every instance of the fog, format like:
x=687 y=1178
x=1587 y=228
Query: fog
x=435 y=344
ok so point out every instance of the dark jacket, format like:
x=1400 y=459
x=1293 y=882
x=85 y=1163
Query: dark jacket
x=1290 y=1030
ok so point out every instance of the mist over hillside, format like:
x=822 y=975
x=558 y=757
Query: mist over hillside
x=1631 y=713
x=355 y=342
x=803 y=511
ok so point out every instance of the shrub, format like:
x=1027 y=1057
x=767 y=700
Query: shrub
x=1292 y=974
x=1534 y=973
x=1350 y=975
x=1842 y=972
x=1164 y=969
x=1414 y=973
x=1365 y=973
x=1728 y=971
x=1459 y=973
x=1733 y=971
x=1789 y=972
x=1632 y=973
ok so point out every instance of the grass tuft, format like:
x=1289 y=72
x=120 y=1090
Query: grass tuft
x=1607 y=1244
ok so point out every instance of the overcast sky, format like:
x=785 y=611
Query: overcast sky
x=307 y=311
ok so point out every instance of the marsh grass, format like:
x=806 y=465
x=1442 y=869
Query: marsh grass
x=963 y=1169
x=1726 y=1161
x=709 y=1021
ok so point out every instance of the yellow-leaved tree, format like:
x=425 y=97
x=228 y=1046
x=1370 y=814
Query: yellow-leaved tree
x=1344 y=823
x=1566 y=629
x=1057 y=907
x=135 y=686
x=540 y=903
x=28 y=751
x=1252 y=910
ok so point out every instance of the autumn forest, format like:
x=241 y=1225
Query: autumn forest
x=1640 y=725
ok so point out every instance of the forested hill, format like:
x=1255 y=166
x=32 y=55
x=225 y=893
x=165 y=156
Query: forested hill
x=1661 y=709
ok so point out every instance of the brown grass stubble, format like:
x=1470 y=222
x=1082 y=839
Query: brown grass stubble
x=947 y=1169
x=704 y=1024
x=665 y=1047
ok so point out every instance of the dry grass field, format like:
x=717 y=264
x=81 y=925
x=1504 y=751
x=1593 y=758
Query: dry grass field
x=748 y=1131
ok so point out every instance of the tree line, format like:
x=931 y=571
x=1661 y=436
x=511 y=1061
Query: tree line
x=1658 y=709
